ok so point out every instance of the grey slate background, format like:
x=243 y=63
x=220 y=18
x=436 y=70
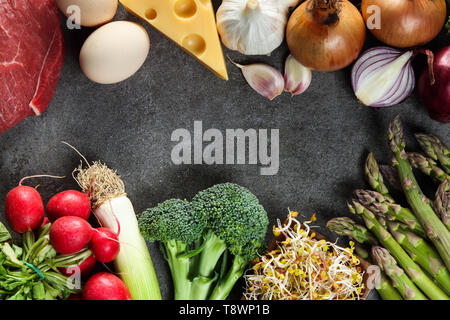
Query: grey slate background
x=325 y=134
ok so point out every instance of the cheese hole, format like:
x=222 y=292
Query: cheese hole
x=151 y=14
x=185 y=8
x=195 y=44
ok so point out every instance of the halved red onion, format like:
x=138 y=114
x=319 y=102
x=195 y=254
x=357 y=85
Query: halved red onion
x=383 y=77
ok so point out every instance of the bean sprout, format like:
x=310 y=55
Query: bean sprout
x=304 y=268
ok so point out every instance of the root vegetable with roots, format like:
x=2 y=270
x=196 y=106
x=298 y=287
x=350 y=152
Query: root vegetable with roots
x=114 y=210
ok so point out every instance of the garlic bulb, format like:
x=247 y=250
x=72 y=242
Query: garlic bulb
x=253 y=27
x=264 y=79
x=290 y=3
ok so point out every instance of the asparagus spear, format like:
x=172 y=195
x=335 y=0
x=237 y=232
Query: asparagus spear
x=401 y=282
x=409 y=266
x=344 y=226
x=436 y=231
x=381 y=205
x=374 y=176
x=391 y=175
x=361 y=251
x=385 y=288
x=427 y=165
x=442 y=202
x=423 y=254
x=435 y=149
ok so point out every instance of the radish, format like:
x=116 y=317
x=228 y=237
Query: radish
x=70 y=234
x=84 y=268
x=24 y=208
x=69 y=203
x=105 y=245
x=105 y=286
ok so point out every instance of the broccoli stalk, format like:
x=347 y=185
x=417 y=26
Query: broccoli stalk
x=226 y=283
x=198 y=237
x=176 y=226
x=179 y=267
x=207 y=260
x=205 y=264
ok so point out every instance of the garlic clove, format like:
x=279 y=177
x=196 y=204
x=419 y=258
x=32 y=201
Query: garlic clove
x=297 y=77
x=264 y=79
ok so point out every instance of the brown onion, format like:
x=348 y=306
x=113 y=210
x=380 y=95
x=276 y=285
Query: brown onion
x=406 y=23
x=326 y=35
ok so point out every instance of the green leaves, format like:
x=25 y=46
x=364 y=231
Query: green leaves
x=11 y=255
x=4 y=233
x=29 y=272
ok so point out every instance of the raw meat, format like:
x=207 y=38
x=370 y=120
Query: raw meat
x=31 y=58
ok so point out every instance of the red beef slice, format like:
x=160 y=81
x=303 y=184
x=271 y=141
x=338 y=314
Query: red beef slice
x=31 y=58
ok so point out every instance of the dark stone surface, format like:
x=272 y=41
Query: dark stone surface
x=325 y=134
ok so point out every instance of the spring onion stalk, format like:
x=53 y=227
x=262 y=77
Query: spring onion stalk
x=114 y=210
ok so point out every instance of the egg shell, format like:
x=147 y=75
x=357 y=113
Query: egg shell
x=92 y=12
x=114 y=52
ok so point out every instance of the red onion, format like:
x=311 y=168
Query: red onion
x=383 y=77
x=436 y=97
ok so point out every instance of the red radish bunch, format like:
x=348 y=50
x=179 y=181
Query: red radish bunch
x=70 y=232
x=105 y=286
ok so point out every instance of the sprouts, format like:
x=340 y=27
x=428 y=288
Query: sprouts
x=301 y=267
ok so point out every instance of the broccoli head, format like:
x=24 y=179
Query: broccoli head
x=197 y=237
x=238 y=223
x=172 y=219
x=234 y=215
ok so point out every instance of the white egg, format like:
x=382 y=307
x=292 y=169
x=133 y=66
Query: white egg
x=114 y=52
x=88 y=13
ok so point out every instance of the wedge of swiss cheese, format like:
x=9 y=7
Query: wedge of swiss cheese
x=189 y=23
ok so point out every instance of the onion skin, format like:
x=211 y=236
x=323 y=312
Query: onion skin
x=324 y=46
x=436 y=97
x=407 y=23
